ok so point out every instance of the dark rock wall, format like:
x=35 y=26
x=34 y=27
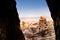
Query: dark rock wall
x=9 y=21
x=54 y=6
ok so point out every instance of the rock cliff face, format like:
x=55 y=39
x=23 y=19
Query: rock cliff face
x=41 y=30
x=9 y=21
x=55 y=13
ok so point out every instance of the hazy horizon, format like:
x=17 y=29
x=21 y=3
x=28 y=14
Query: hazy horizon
x=32 y=8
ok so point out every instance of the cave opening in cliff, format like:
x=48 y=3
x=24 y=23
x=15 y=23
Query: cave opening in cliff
x=35 y=19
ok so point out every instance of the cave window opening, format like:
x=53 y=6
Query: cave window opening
x=34 y=11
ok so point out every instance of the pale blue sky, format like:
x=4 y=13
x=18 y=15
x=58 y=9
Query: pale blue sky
x=30 y=8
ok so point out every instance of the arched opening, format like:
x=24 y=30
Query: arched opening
x=33 y=10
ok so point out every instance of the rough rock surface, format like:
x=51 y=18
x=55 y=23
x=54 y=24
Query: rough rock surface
x=40 y=32
x=9 y=21
x=55 y=14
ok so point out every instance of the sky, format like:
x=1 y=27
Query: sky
x=32 y=8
